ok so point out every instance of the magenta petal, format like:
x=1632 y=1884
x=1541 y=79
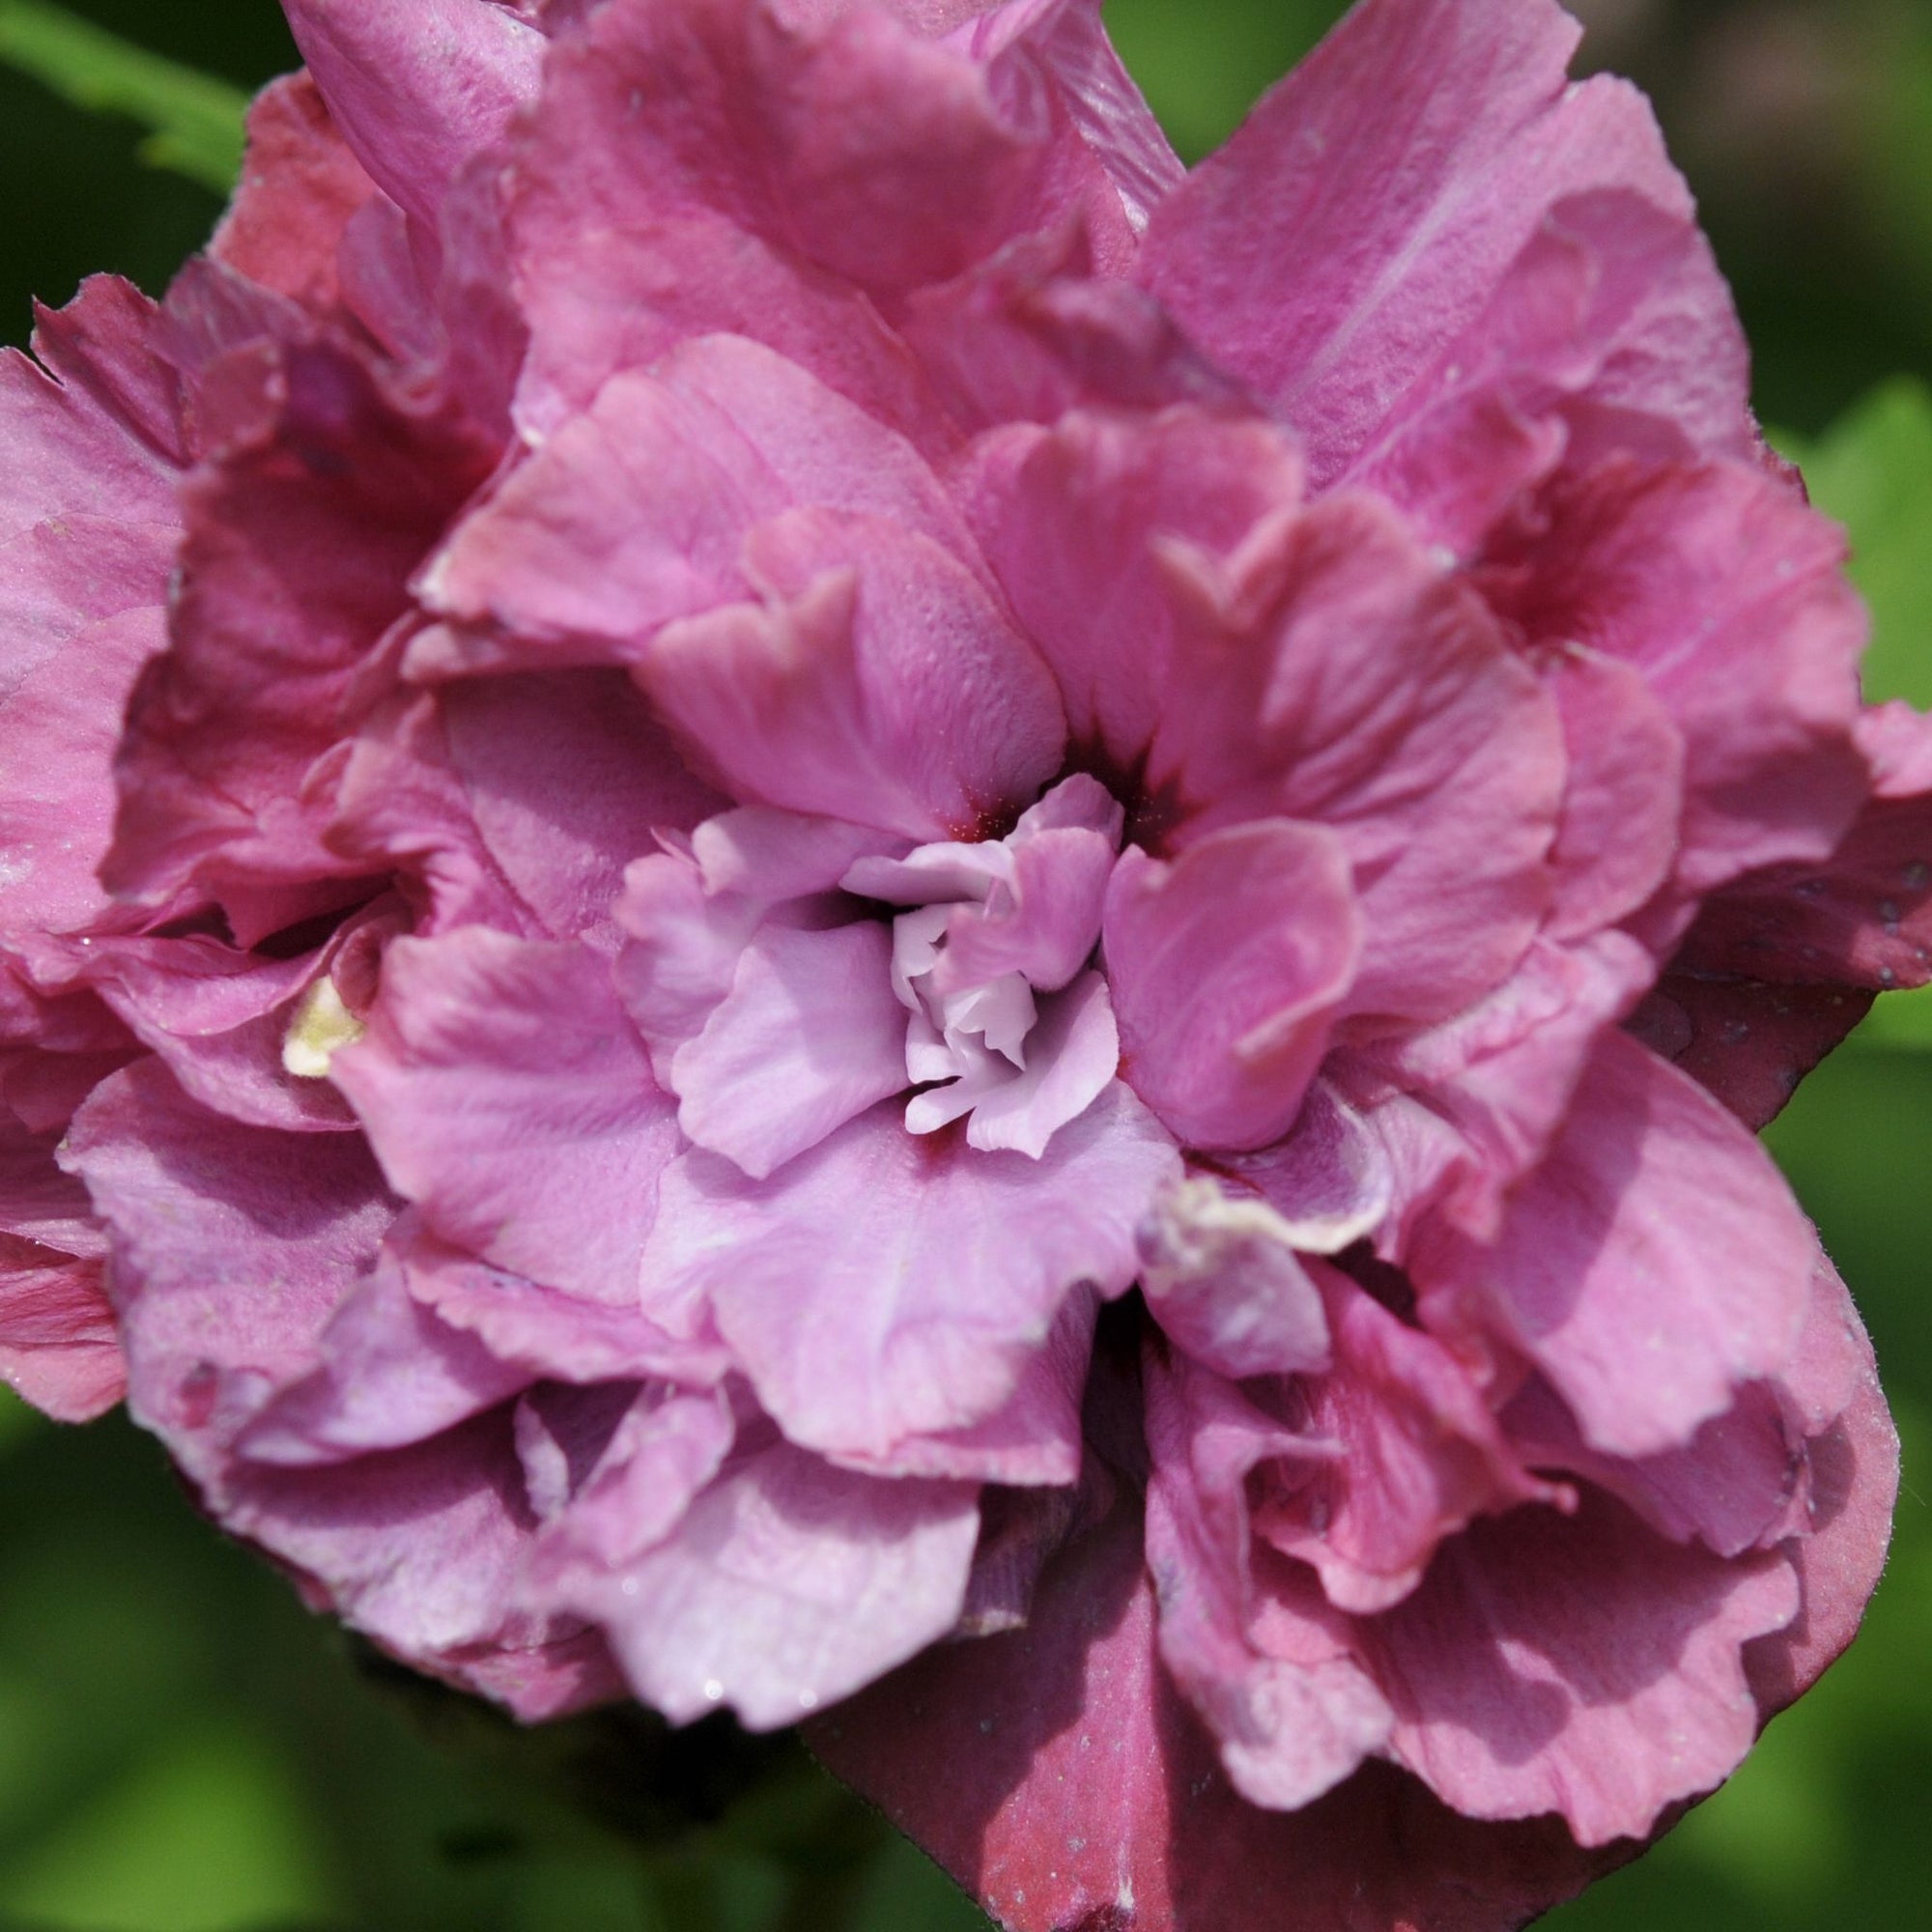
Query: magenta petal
x=1041 y=921
x=1852 y=1467
x=299 y=544
x=1221 y=1276
x=1580 y=1664
x=233 y=1247
x=1617 y=840
x=417 y=86
x=1343 y=677
x=1076 y=521
x=787 y=1585
x=61 y=716
x=569 y=779
x=506 y=1092
x=90 y=449
x=1225 y=967
x=58 y=1345
x=90 y=432
x=877 y=684
x=553 y=1335
x=1655 y=1259
x=810 y=1034
x=636 y=512
x=620 y=522
x=1327 y=1177
x=422 y=1550
x=1292 y=1710
x=1105 y=104
x=1366 y=212
x=1417 y=1457
x=1032 y=1440
x=299 y=189
x=769 y=856
x=666 y=1446
x=634 y=231
x=40 y=1205
x=1781 y=1462
x=1058 y=1775
x=391 y=1374
x=1484 y=1093
x=1730 y=1487
x=1611 y=330
x=220 y=1018
x=852 y=140
x=1863 y=918
x=888 y=1285
x=683 y=949
x=1725 y=592
x=1747 y=1043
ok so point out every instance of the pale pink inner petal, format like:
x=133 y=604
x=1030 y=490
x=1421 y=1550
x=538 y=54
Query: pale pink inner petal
x=988 y=927
x=809 y=1035
x=1076 y=1052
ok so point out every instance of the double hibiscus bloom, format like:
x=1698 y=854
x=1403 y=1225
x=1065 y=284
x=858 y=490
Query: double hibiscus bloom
x=822 y=901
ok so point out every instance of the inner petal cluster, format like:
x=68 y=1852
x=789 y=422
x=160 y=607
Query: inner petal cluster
x=777 y=1007
x=1007 y=1024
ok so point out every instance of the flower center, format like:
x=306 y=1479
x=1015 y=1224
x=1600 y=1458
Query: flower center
x=1006 y=1021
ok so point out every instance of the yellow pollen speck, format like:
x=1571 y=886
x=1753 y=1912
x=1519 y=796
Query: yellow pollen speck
x=321 y=1027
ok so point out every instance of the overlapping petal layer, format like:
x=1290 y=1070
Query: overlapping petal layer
x=894 y=912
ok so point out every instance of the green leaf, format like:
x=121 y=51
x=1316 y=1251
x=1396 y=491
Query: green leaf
x=1203 y=66
x=1901 y=1019
x=1872 y=470
x=18 y=1422
x=194 y=122
x=211 y=1834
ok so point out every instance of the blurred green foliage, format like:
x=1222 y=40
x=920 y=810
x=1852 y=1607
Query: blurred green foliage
x=1872 y=470
x=184 y=1749
x=194 y=121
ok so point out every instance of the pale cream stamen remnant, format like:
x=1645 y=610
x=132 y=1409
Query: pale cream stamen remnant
x=321 y=1027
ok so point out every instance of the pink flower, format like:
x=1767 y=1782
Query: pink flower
x=891 y=927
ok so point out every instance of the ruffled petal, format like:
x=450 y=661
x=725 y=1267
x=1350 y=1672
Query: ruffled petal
x=1578 y=1665
x=1416 y=1457
x=1059 y=1775
x=878 y=683
x=299 y=550
x=417 y=86
x=1293 y=1712
x=636 y=511
x=301 y=188
x=1227 y=968
x=58 y=1345
x=786 y=1585
x=233 y=1247
x=888 y=1285
x=809 y=1036
x=505 y=1092
x=1362 y=219
x=1725 y=592
x=1652 y=1262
